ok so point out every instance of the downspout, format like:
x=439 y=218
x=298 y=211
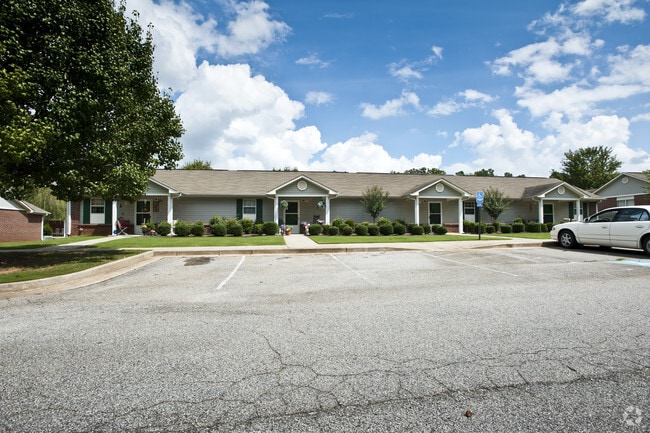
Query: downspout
x=461 y=225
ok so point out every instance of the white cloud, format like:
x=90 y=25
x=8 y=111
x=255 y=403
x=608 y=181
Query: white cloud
x=393 y=107
x=643 y=117
x=611 y=10
x=362 y=154
x=318 y=98
x=469 y=98
x=404 y=73
x=437 y=51
x=313 y=60
x=630 y=67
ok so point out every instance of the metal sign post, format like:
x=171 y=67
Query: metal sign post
x=479 y=204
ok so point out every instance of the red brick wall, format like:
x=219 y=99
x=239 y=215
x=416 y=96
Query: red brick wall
x=78 y=229
x=16 y=226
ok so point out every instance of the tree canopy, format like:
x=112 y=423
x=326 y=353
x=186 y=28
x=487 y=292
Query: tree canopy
x=80 y=109
x=374 y=200
x=197 y=164
x=424 y=170
x=589 y=167
x=494 y=203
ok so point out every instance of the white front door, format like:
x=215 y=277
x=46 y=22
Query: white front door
x=470 y=211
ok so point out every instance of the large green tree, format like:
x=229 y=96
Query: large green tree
x=374 y=199
x=197 y=164
x=494 y=203
x=589 y=167
x=80 y=108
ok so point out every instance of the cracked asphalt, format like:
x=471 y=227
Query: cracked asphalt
x=527 y=339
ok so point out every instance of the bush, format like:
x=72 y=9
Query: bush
x=386 y=229
x=258 y=228
x=197 y=229
x=235 y=229
x=497 y=226
x=470 y=227
x=315 y=229
x=417 y=230
x=216 y=220
x=338 y=222
x=350 y=222
x=326 y=228
x=518 y=227
x=489 y=229
x=181 y=228
x=533 y=227
x=270 y=228
x=549 y=226
x=373 y=229
x=482 y=226
x=219 y=229
x=346 y=230
x=333 y=230
x=47 y=230
x=518 y=220
x=164 y=228
x=381 y=221
x=361 y=230
x=506 y=228
x=441 y=230
x=399 y=229
x=247 y=225
x=426 y=227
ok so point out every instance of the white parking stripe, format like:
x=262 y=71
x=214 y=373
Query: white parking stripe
x=232 y=274
x=349 y=268
x=471 y=266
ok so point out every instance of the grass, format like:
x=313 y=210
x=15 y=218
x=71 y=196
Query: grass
x=43 y=244
x=326 y=240
x=206 y=241
x=524 y=235
x=19 y=266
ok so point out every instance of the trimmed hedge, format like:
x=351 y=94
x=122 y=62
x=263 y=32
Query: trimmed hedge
x=440 y=230
x=197 y=229
x=333 y=230
x=181 y=228
x=506 y=228
x=164 y=228
x=518 y=227
x=399 y=229
x=361 y=230
x=417 y=230
x=270 y=228
x=373 y=229
x=315 y=229
x=219 y=229
x=346 y=230
x=426 y=227
x=386 y=229
x=533 y=227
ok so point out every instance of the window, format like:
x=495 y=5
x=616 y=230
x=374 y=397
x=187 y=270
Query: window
x=249 y=208
x=625 y=201
x=469 y=207
x=97 y=211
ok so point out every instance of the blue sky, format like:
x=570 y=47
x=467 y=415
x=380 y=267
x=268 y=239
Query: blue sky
x=379 y=86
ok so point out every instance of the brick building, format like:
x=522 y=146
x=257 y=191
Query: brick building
x=20 y=221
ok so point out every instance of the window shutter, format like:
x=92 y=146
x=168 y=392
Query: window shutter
x=108 y=212
x=258 y=210
x=240 y=208
x=85 y=211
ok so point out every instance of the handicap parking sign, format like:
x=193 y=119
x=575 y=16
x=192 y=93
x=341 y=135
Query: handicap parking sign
x=479 y=198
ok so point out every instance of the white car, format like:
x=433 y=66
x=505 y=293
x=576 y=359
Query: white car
x=625 y=227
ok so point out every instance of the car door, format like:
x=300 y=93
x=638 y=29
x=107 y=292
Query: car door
x=628 y=226
x=595 y=230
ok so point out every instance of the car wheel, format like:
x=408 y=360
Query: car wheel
x=567 y=239
x=645 y=243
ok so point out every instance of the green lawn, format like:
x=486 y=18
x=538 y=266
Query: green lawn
x=43 y=244
x=524 y=235
x=18 y=266
x=206 y=241
x=326 y=240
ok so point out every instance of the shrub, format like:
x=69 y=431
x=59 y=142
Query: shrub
x=533 y=227
x=382 y=221
x=518 y=227
x=386 y=229
x=181 y=228
x=258 y=228
x=441 y=230
x=346 y=230
x=326 y=228
x=399 y=229
x=482 y=226
x=197 y=229
x=373 y=229
x=426 y=227
x=333 y=230
x=417 y=230
x=497 y=226
x=350 y=222
x=164 y=228
x=361 y=230
x=247 y=225
x=338 y=222
x=315 y=229
x=506 y=228
x=270 y=228
x=517 y=220
x=232 y=225
x=216 y=220
x=470 y=227
x=489 y=229
x=235 y=229
x=47 y=230
x=219 y=229
x=399 y=221
x=549 y=226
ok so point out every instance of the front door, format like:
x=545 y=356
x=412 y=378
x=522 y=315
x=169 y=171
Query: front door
x=142 y=215
x=435 y=213
x=291 y=216
x=470 y=211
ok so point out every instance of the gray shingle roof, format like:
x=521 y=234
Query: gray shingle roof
x=255 y=183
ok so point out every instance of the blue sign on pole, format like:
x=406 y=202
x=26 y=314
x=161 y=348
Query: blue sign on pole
x=479 y=198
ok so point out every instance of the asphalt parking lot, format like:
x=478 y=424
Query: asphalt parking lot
x=525 y=339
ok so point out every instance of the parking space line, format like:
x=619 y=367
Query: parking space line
x=472 y=266
x=232 y=274
x=349 y=268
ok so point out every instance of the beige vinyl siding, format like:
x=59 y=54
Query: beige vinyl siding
x=193 y=209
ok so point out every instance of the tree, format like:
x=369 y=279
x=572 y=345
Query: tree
x=80 y=109
x=424 y=170
x=588 y=168
x=197 y=164
x=489 y=172
x=374 y=200
x=43 y=198
x=494 y=203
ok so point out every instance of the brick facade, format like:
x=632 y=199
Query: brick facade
x=17 y=226
x=78 y=229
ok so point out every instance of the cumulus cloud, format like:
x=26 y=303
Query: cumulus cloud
x=393 y=107
x=318 y=98
x=404 y=72
x=611 y=10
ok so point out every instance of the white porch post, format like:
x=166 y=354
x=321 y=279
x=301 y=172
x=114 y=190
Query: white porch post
x=114 y=218
x=540 y=211
x=276 y=210
x=170 y=211
x=461 y=228
x=67 y=225
x=327 y=209
x=417 y=210
x=578 y=210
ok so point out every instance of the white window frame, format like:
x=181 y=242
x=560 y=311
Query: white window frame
x=97 y=211
x=627 y=200
x=251 y=204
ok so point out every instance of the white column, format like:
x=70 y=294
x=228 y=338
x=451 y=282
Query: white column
x=114 y=218
x=327 y=209
x=417 y=210
x=461 y=227
x=67 y=225
x=540 y=211
x=276 y=210
x=170 y=211
x=578 y=211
